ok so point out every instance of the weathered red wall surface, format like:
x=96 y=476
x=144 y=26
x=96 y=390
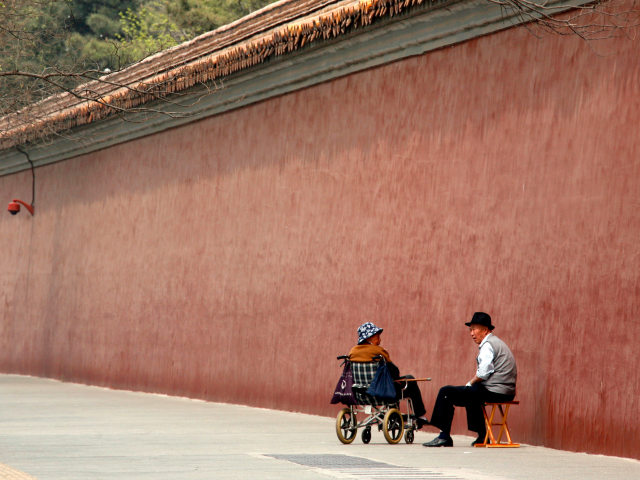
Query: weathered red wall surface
x=234 y=258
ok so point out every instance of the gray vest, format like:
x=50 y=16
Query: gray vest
x=503 y=379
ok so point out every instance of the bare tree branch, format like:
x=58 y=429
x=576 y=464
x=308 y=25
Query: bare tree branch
x=598 y=20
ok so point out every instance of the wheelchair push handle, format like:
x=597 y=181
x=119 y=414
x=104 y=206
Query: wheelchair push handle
x=377 y=358
x=344 y=358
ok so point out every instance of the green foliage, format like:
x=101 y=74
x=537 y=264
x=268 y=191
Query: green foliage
x=200 y=16
x=32 y=39
x=30 y=33
x=108 y=12
x=102 y=25
x=44 y=36
x=112 y=33
x=146 y=26
x=147 y=31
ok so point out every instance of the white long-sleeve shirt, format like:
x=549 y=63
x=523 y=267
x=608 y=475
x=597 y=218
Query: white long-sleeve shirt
x=485 y=359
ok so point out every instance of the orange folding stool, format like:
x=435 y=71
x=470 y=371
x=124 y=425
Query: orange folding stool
x=504 y=428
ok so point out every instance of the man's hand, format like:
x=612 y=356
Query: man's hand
x=475 y=379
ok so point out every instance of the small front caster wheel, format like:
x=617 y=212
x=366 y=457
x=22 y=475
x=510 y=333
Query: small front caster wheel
x=366 y=435
x=408 y=436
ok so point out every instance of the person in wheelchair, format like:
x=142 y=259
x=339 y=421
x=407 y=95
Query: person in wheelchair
x=368 y=348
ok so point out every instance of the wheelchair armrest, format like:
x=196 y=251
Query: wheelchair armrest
x=402 y=380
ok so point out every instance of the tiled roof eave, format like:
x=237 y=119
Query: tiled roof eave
x=177 y=70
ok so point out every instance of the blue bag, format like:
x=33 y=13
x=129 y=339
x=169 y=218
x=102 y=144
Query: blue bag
x=382 y=384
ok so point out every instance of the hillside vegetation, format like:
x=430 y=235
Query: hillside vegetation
x=49 y=36
x=139 y=27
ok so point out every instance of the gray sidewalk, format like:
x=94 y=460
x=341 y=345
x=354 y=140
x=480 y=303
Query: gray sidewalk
x=52 y=430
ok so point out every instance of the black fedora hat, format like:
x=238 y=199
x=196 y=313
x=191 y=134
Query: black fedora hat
x=481 y=318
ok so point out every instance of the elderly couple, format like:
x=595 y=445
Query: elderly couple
x=494 y=380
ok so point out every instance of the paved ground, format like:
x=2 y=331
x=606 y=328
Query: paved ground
x=52 y=431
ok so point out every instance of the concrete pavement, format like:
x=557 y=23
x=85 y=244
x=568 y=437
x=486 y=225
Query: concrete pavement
x=52 y=431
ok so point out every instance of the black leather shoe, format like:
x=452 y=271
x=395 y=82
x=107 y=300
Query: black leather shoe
x=421 y=422
x=439 y=442
x=480 y=440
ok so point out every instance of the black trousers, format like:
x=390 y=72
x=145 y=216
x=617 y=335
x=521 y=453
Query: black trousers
x=471 y=398
x=412 y=392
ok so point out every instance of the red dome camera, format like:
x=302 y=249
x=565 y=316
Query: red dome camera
x=14 y=207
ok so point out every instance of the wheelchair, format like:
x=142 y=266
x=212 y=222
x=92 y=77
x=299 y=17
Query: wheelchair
x=379 y=412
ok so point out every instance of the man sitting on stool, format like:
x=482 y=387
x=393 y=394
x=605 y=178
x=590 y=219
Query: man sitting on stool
x=495 y=381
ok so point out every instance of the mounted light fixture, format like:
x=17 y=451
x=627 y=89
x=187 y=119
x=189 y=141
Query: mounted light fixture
x=14 y=206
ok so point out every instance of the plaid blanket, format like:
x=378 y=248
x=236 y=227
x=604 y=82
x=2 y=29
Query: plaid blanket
x=363 y=374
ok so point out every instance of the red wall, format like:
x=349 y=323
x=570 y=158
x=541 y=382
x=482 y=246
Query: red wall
x=234 y=258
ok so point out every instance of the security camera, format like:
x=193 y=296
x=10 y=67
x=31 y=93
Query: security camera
x=14 y=208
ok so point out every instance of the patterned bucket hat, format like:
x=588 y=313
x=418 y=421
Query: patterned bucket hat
x=367 y=330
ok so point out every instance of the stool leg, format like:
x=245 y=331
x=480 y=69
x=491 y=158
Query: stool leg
x=490 y=426
x=504 y=429
x=502 y=422
x=506 y=426
x=487 y=426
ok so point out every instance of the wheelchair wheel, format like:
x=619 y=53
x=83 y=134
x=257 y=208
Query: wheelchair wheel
x=346 y=426
x=393 y=426
x=366 y=435
x=408 y=436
